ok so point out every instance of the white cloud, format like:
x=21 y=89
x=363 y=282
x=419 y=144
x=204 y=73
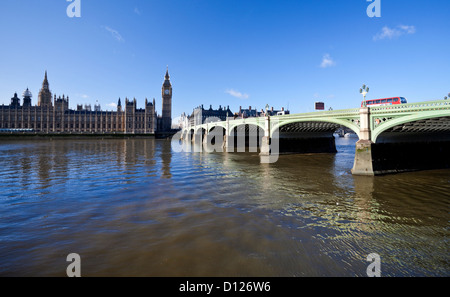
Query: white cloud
x=137 y=11
x=327 y=61
x=391 y=33
x=84 y=96
x=113 y=105
x=114 y=33
x=237 y=94
x=408 y=29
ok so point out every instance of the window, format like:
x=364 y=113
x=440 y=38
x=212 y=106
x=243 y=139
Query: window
x=389 y=101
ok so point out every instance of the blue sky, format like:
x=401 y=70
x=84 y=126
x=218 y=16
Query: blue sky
x=226 y=52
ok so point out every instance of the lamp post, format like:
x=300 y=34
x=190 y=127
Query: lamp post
x=364 y=90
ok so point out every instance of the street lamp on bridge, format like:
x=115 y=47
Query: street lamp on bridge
x=364 y=90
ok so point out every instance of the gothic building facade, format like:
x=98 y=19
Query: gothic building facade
x=52 y=115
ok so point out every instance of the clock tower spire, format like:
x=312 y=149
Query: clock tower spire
x=167 y=103
x=45 y=96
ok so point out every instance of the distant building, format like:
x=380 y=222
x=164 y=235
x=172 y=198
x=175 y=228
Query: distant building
x=253 y=112
x=203 y=115
x=248 y=113
x=52 y=115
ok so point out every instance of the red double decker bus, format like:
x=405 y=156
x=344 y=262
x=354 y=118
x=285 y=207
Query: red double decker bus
x=385 y=101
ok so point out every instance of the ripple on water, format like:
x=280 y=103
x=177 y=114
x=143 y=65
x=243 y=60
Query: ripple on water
x=135 y=208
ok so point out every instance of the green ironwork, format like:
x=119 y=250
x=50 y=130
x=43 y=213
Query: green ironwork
x=381 y=118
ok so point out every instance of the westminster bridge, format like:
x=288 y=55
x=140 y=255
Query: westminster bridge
x=395 y=138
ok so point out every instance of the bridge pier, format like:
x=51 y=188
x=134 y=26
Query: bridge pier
x=363 y=164
x=205 y=139
x=265 y=140
x=197 y=137
x=228 y=141
x=265 y=146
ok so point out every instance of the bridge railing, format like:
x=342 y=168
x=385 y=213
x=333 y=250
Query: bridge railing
x=334 y=113
x=408 y=107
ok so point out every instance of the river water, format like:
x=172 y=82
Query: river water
x=137 y=208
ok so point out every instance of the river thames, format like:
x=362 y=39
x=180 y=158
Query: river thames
x=135 y=207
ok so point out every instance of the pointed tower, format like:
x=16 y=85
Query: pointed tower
x=166 y=103
x=45 y=96
x=119 y=106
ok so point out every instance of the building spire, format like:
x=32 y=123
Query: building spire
x=167 y=77
x=45 y=82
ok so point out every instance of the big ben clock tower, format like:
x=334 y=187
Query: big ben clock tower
x=167 y=103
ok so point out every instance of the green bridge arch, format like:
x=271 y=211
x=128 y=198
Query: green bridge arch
x=340 y=122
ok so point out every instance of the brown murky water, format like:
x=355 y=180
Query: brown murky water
x=136 y=208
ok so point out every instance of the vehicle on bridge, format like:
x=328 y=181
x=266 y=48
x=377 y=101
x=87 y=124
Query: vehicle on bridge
x=385 y=101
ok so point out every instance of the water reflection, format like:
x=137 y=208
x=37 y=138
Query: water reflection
x=166 y=158
x=134 y=207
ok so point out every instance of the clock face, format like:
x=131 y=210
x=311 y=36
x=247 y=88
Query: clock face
x=166 y=92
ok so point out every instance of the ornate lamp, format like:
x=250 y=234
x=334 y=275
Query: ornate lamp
x=364 y=90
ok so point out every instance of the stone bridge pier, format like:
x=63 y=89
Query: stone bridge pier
x=363 y=164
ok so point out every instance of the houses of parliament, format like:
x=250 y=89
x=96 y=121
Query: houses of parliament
x=52 y=115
